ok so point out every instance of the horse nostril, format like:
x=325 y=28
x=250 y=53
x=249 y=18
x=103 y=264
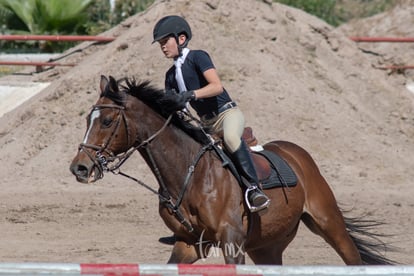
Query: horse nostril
x=80 y=170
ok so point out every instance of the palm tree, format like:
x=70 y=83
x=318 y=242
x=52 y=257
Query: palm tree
x=43 y=17
x=46 y=16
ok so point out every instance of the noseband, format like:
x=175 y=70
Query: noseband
x=100 y=160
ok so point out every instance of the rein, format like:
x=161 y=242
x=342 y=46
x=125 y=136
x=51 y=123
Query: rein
x=167 y=200
x=102 y=163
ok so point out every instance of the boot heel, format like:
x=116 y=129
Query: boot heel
x=259 y=203
x=258 y=198
x=262 y=212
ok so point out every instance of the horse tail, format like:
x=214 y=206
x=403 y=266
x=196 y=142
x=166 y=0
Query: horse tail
x=368 y=243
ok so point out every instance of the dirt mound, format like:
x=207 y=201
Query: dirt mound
x=395 y=23
x=295 y=77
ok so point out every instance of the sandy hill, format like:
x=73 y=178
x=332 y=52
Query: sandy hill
x=295 y=77
x=396 y=23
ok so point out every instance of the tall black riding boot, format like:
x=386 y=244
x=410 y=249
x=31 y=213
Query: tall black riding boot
x=256 y=200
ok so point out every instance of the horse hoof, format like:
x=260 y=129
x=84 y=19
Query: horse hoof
x=170 y=240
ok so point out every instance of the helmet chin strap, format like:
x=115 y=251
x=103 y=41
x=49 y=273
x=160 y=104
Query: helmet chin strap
x=182 y=46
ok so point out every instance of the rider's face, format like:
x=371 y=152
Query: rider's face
x=169 y=47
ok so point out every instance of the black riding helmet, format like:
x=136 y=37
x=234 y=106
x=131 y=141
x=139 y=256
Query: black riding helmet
x=172 y=25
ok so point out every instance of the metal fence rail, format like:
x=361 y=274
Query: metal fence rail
x=61 y=38
x=381 y=39
x=205 y=270
x=57 y=38
x=385 y=40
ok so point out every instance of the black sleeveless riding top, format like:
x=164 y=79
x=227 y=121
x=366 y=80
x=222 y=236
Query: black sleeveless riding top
x=195 y=64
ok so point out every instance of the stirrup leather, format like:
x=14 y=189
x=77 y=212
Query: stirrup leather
x=254 y=209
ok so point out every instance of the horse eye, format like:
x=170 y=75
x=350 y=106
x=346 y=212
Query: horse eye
x=107 y=122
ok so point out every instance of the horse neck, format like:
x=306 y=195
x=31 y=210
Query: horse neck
x=170 y=154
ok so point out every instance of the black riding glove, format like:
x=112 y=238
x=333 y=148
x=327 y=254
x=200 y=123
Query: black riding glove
x=170 y=92
x=176 y=101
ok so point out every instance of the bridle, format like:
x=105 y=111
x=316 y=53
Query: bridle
x=99 y=160
x=112 y=162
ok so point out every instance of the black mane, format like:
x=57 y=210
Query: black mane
x=151 y=96
x=145 y=92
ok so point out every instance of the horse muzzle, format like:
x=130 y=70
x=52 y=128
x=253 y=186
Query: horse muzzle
x=85 y=170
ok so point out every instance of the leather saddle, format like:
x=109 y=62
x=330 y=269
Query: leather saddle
x=272 y=170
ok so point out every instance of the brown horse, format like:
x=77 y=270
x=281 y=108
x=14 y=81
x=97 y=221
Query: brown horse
x=202 y=202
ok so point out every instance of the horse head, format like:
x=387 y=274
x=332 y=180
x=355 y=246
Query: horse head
x=125 y=118
x=108 y=133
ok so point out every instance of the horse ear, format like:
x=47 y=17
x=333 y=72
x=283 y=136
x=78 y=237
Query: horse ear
x=113 y=84
x=103 y=83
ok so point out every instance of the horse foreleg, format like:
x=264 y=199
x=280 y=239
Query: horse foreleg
x=232 y=246
x=183 y=253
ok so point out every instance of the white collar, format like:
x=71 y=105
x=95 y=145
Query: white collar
x=180 y=60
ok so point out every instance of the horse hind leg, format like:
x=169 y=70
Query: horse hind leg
x=321 y=213
x=334 y=232
x=323 y=217
x=357 y=237
x=272 y=254
x=266 y=256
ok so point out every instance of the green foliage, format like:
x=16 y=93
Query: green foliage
x=126 y=8
x=8 y=20
x=349 y=9
x=19 y=13
x=46 y=16
x=61 y=17
x=323 y=9
x=336 y=12
x=43 y=17
x=101 y=17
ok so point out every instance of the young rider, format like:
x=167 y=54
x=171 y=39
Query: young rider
x=195 y=78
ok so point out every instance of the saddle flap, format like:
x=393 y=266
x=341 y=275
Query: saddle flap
x=272 y=170
x=262 y=165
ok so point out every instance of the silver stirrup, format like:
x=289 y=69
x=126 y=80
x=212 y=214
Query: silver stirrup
x=254 y=209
